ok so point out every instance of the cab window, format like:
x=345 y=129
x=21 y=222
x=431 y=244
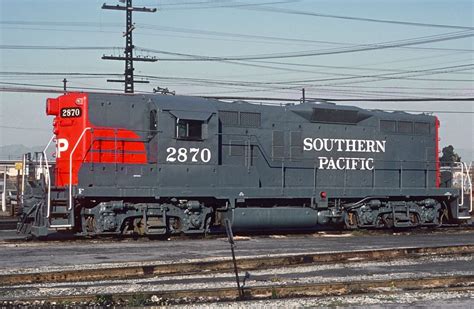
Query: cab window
x=189 y=129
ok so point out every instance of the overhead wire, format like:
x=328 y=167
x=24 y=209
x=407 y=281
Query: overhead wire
x=436 y=70
x=56 y=47
x=353 y=18
x=237 y=5
x=334 y=51
x=437 y=38
x=247 y=64
x=275 y=85
x=187 y=81
x=470 y=99
x=220 y=34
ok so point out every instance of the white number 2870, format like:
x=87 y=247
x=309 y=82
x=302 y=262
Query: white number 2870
x=188 y=155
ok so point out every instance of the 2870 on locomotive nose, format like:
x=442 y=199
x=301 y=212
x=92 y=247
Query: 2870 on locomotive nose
x=161 y=165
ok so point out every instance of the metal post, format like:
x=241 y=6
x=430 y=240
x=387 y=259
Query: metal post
x=18 y=187
x=128 y=52
x=4 y=193
x=230 y=236
x=23 y=175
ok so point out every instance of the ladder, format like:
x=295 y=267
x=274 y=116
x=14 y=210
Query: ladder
x=462 y=179
x=59 y=214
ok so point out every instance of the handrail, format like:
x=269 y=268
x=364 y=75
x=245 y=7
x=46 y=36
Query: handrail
x=469 y=180
x=48 y=180
x=70 y=165
x=462 y=183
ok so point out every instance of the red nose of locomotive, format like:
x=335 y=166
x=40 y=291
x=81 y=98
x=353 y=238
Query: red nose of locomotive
x=68 y=124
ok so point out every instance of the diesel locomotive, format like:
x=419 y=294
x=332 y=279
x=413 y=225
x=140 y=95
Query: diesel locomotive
x=158 y=165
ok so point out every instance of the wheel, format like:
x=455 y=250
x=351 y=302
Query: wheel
x=351 y=220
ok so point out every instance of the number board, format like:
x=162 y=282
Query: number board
x=183 y=155
x=71 y=112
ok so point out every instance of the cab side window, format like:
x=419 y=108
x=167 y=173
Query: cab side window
x=189 y=129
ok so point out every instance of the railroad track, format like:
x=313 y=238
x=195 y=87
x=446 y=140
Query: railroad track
x=24 y=240
x=193 y=296
x=165 y=281
x=214 y=266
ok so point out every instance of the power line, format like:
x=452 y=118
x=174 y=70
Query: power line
x=58 y=73
x=197 y=57
x=469 y=99
x=336 y=67
x=46 y=88
x=364 y=19
x=266 y=99
x=248 y=84
x=221 y=6
x=350 y=48
x=275 y=85
x=437 y=70
x=414 y=73
x=220 y=34
x=57 y=89
x=357 y=48
x=50 y=47
x=385 y=92
x=256 y=65
x=397 y=75
x=148 y=50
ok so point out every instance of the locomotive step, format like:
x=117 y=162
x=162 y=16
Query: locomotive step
x=58 y=188
x=58 y=221
x=59 y=202
x=402 y=224
x=59 y=210
x=156 y=231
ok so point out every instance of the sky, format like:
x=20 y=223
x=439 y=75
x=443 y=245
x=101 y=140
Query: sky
x=335 y=49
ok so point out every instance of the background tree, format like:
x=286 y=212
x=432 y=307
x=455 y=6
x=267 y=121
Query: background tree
x=449 y=156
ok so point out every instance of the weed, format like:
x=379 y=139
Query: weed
x=274 y=293
x=104 y=299
x=138 y=300
x=275 y=279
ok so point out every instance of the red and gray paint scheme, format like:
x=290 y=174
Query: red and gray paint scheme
x=160 y=165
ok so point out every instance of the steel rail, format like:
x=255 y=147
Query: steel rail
x=390 y=286
x=147 y=269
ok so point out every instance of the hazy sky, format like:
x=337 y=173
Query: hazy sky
x=297 y=44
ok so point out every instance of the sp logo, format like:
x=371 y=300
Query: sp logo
x=61 y=146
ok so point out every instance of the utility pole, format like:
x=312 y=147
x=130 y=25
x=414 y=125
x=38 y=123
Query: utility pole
x=128 y=53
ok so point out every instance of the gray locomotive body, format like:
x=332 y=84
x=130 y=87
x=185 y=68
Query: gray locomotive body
x=305 y=166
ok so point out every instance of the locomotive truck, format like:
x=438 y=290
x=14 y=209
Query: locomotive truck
x=159 y=165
